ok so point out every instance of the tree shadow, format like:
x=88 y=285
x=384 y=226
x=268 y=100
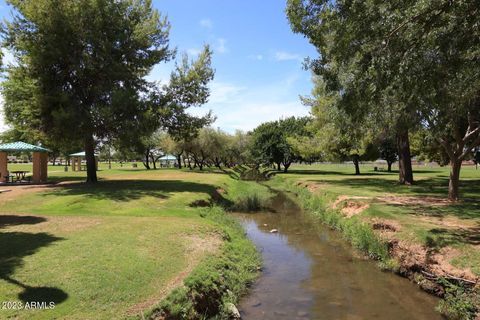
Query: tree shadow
x=442 y=237
x=11 y=220
x=129 y=190
x=15 y=247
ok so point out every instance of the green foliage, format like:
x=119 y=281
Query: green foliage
x=458 y=304
x=388 y=150
x=270 y=144
x=84 y=65
x=383 y=62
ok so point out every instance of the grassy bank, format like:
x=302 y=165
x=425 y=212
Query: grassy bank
x=117 y=249
x=409 y=229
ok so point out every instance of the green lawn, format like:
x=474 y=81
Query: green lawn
x=423 y=214
x=110 y=250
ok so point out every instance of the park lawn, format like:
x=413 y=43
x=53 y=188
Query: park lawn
x=109 y=250
x=419 y=213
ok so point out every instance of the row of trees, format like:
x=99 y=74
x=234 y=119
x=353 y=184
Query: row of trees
x=395 y=67
x=79 y=77
x=275 y=144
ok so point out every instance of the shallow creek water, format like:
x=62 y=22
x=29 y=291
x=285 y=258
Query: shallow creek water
x=310 y=272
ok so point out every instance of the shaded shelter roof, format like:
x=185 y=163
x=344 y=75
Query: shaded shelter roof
x=168 y=157
x=20 y=146
x=80 y=154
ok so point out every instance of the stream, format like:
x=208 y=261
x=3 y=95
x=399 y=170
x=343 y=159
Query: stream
x=310 y=272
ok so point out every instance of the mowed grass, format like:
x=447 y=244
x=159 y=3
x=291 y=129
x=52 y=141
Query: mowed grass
x=431 y=221
x=109 y=250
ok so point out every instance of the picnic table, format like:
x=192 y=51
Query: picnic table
x=20 y=174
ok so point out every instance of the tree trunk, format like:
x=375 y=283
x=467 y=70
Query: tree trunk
x=286 y=166
x=453 y=184
x=179 y=161
x=146 y=163
x=356 y=162
x=278 y=166
x=389 y=166
x=90 y=157
x=404 y=158
x=154 y=162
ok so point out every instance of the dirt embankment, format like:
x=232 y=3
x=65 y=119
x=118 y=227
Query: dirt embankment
x=420 y=263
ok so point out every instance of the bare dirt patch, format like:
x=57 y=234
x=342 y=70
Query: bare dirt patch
x=197 y=247
x=52 y=224
x=414 y=201
x=417 y=260
x=313 y=187
x=12 y=192
x=384 y=225
x=350 y=208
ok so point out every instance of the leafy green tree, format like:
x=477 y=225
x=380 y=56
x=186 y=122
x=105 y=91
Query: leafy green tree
x=388 y=151
x=86 y=62
x=337 y=136
x=270 y=146
x=405 y=63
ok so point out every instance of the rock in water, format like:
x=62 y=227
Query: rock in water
x=273 y=231
x=232 y=311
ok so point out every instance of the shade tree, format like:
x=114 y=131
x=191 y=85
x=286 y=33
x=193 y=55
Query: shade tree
x=407 y=64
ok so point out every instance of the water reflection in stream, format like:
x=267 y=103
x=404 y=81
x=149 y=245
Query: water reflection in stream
x=311 y=273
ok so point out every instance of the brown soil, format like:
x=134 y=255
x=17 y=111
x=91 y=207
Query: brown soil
x=52 y=224
x=414 y=201
x=384 y=225
x=350 y=208
x=197 y=248
x=415 y=260
x=11 y=192
x=312 y=187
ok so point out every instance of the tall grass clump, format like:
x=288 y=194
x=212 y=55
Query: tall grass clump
x=248 y=196
x=218 y=280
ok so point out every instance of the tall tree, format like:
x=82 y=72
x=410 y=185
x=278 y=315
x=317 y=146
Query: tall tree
x=412 y=63
x=88 y=61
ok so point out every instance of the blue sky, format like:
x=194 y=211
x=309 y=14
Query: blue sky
x=257 y=58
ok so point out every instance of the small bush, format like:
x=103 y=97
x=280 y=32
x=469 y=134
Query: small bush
x=253 y=174
x=458 y=304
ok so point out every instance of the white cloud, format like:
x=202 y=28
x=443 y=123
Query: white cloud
x=224 y=92
x=194 y=51
x=8 y=57
x=206 y=23
x=240 y=107
x=220 y=46
x=256 y=57
x=285 y=56
x=3 y=127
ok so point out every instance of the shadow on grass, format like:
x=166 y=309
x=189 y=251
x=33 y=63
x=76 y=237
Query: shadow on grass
x=442 y=237
x=15 y=246
x=128 y=190
x=340 y=173
x=11 y=220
